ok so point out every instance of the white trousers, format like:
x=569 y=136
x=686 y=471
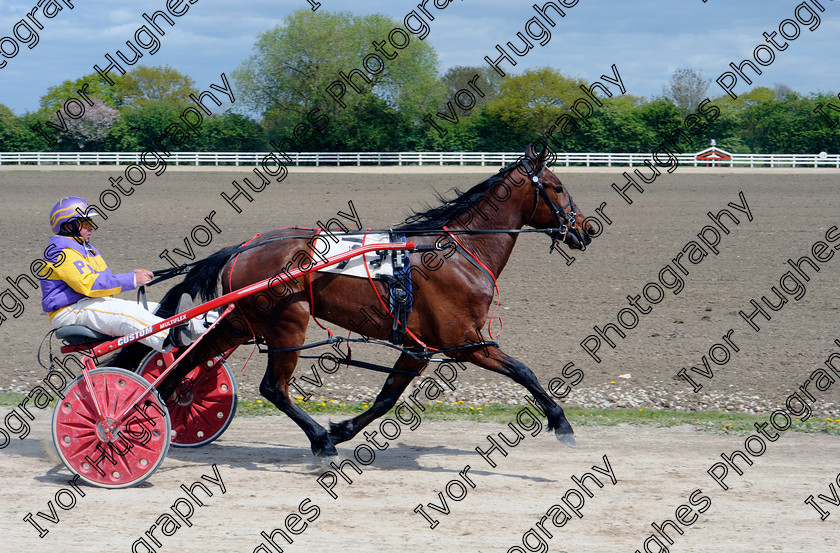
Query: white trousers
x=118 y=317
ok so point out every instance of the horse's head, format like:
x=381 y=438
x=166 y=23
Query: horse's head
x=554 y=207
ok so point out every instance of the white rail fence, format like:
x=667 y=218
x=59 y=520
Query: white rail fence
x=409 y=158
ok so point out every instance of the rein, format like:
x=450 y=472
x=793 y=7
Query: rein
x=172 y=272
x=565 y=222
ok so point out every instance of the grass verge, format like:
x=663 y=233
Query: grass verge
x=711 y=421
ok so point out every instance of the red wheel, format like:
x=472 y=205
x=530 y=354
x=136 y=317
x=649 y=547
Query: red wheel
x=203 y=405
x=110 y=453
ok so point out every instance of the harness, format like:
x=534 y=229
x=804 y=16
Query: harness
x=400 y=292
x=401 y=298
x=476 y=262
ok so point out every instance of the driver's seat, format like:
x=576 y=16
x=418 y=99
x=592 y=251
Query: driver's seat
x=78 y=334
x=78 y=337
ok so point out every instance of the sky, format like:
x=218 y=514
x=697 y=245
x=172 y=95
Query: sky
x=647 y=39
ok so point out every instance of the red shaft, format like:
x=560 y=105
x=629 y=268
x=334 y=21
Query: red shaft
x=231 y=297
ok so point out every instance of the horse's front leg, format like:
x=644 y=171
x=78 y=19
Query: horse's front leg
x=394 y=386
x=494 y=359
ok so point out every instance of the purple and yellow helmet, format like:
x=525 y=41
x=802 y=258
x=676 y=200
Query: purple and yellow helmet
x=68 y=209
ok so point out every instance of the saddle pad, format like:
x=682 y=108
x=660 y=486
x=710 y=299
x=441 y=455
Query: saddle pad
x=379 y=266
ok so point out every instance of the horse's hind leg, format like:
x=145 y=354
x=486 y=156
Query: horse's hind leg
x=394 y=386
x=494 y=359
x=275 y=388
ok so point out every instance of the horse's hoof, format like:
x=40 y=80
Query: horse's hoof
x=566 y=439
x=326 y=450
x=325 y=461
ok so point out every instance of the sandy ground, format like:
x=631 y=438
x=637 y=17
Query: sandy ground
x=548 y=308
x=266 y=469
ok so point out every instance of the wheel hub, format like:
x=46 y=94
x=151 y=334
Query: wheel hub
x=184 y=395
x=107 y=430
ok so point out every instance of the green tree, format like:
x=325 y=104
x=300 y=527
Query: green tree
x=143 y=127
x=15 y=134
x=758 y=95
x=532 y=101
x=616 y=126
x=788 y=126
x=826 y=137
x=135 y=88
x=154 y=84
x=662 y=118
x=90 y=85
x=294 y=64
x=459 y=77
x=371 y=125
x=731 y=131
x=230 y=132
x=490 y=133
x=725 y=130
x=466 y=136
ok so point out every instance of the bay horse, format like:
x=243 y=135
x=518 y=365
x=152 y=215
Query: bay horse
x=450 y=307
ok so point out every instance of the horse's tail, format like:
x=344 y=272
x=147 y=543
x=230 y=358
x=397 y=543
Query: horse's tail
x=199 y=282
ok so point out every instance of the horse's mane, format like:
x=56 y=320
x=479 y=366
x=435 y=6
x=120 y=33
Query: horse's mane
x=434 y=218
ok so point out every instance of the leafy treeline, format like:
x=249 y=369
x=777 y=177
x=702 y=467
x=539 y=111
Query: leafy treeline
x=286 y=90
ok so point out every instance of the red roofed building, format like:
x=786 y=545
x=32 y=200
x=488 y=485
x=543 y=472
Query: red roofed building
x=713 y=156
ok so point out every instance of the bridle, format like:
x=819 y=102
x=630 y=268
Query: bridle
x=566 y=221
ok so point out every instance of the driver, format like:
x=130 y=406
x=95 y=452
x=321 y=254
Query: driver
x=80 y=287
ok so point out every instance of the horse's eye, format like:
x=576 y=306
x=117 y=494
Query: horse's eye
x=559 y=188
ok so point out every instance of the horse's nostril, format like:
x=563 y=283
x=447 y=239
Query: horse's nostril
x=590 y=231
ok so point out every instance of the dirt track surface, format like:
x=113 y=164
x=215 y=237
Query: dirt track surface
x=548 y=308
x=266 y=468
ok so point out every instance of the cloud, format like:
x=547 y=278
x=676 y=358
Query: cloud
x=647 y=39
